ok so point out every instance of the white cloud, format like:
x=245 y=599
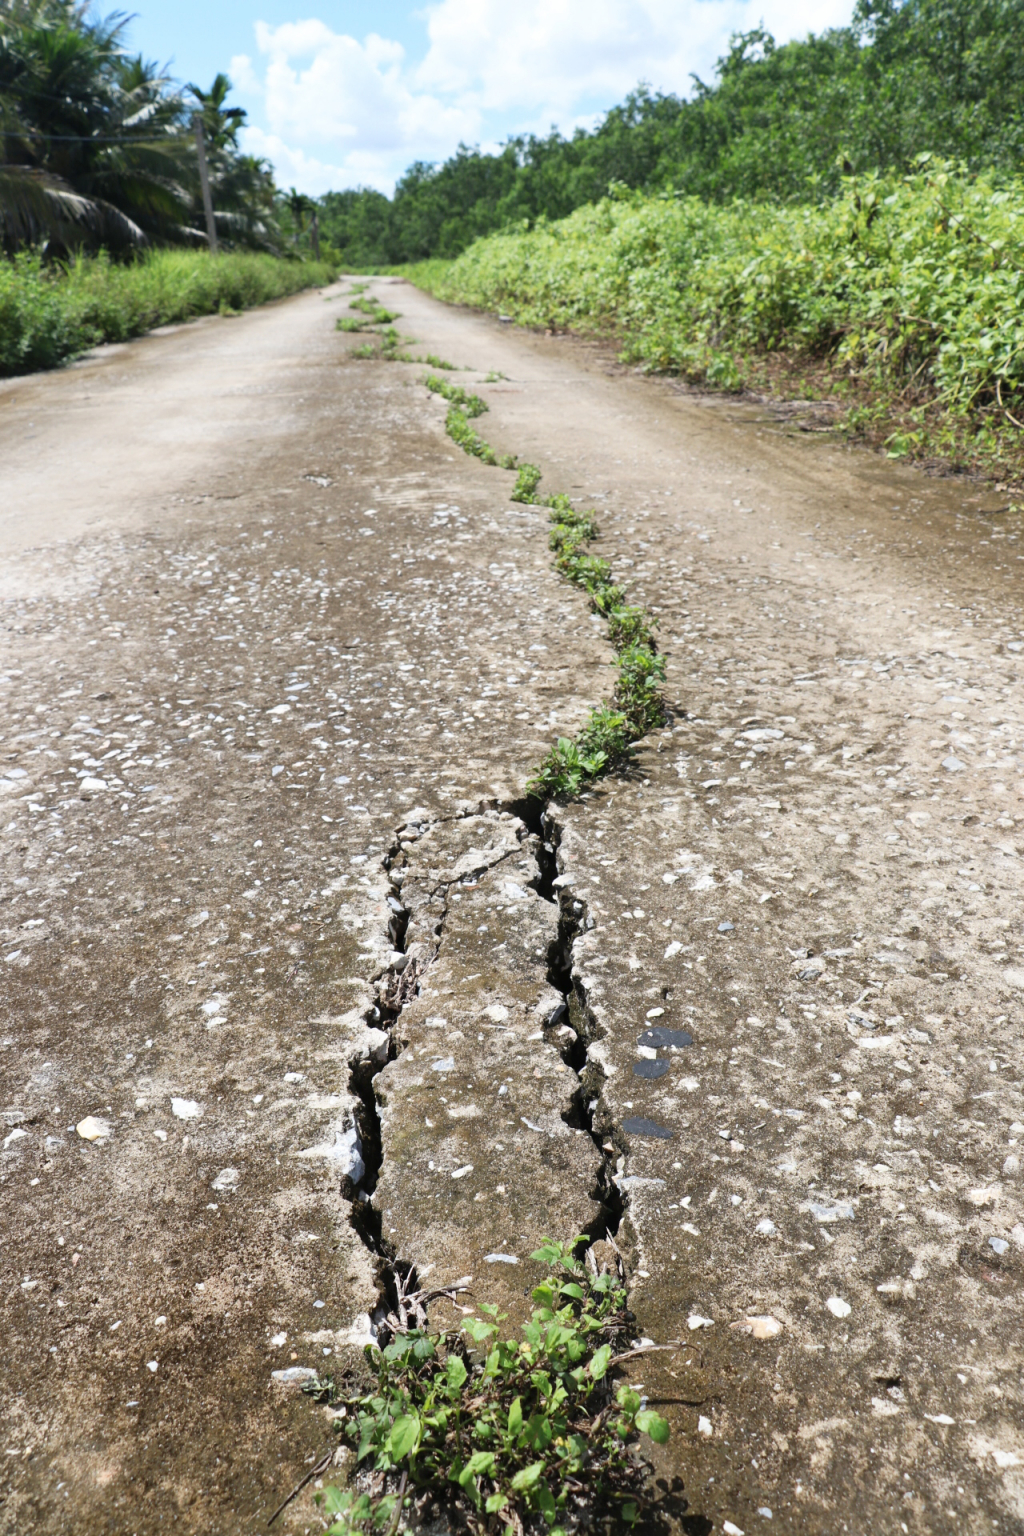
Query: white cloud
x=547 y=56
x=293 y=167
x=324 y=91
x=339 y=112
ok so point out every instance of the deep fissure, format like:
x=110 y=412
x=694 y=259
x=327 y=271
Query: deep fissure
x=570 y=1028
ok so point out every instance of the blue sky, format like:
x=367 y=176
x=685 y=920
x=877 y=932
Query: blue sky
x=348 y=94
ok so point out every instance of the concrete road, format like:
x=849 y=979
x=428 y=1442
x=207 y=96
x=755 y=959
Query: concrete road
x=285 y=951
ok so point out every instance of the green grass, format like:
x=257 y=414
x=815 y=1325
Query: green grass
x=903 y=296
x=509 y=1434
x=51 y=314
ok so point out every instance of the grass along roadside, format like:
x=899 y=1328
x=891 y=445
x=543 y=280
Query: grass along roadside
x=509 y=1435
x=50 y=314
x=901 y=299
x=637 y=706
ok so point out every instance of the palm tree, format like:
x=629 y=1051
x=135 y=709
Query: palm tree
x=93 y=142
x=242 y=186
x=220 y=123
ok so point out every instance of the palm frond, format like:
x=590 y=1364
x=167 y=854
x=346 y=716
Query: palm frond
x=36 y=208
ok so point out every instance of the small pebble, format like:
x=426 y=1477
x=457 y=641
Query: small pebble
x=838 y=1307
x=92 y=1128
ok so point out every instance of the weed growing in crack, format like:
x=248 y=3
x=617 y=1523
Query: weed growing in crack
x=437 y=362
x=470 y=405
x=463 y=408
x=630 y=626
x=637 y=707
x=513 y=1435
x=387 y=352
x=376 y=312
x=527 y=481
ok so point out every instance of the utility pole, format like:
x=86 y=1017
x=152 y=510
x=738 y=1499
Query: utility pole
x=314 y=234
x=204 y=181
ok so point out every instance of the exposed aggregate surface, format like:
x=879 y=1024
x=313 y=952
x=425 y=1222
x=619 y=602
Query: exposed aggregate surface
x=216 y=719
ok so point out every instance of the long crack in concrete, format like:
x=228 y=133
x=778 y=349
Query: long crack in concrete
x=754 y=1008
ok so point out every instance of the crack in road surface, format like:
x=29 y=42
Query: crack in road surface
x=753 y=1006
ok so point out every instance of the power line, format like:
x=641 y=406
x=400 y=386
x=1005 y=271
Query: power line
x=103 y=138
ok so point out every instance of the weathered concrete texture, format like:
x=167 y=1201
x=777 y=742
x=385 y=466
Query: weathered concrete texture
x=319 y=623
x=839 y=1235
x=210 y=731
x=483 y=1152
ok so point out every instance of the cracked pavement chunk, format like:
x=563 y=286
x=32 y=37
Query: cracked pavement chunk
x=482 y=1153
x=266 y=723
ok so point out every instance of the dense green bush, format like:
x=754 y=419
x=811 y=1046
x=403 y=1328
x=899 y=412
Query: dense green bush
x=911 y=283
x=779 y=121
x=50 y=314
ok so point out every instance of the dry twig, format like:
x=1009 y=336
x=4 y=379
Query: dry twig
x=321 y=1466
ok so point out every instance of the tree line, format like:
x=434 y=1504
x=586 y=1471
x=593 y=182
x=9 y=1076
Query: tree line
x=778 y=122
x=98 y=146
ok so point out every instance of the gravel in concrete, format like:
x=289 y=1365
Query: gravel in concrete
x=268 y=714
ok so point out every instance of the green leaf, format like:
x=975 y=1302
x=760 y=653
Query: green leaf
x=571 y=1289
x=495 y=1502
x=627 y=1399
x=599 y=1364
x=480 y=1464
x=528 y=1478
x=456 y=1374
x=651 y=1423
x=383 y=1511
x=545 y=1502
x=515 y=1416
x=538 y=1432
x=477 y=1330
x=336 y=1500
x=404 y=1436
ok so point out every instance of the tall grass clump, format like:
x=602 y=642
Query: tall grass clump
x=905 y=293
x=49 y=314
